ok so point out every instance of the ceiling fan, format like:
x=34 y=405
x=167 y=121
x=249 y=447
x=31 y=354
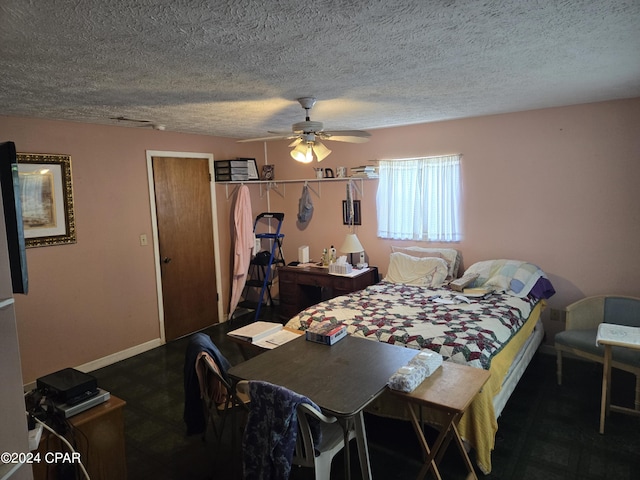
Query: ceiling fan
x=140 y=123
x=307 y=135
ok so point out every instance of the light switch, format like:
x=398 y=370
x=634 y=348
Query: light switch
x=143 y=240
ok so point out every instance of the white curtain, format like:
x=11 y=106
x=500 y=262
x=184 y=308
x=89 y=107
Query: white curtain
x=419 y=199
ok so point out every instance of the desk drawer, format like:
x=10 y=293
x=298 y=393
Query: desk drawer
x=301 y=288
x=343 y=283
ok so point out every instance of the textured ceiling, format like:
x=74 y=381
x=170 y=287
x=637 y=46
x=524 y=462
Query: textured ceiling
x=235 y=67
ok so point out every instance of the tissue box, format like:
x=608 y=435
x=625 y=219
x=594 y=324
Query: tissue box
x=326 y=332
x=340 y=268
x=303 y=254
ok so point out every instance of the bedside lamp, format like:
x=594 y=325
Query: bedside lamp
x=352 y=245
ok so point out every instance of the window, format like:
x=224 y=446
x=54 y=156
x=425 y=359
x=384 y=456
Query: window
x=419 y=199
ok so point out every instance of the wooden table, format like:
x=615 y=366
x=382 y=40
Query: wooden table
x=450 y=389
x=100 y=443
x=611 y=335
x=301 y=287
x=341 y=379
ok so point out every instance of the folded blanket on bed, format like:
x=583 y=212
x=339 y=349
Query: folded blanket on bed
x=512 y=276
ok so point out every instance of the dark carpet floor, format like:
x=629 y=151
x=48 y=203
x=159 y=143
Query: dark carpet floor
x=546 y=432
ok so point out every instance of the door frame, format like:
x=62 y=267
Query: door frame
x=154 y=222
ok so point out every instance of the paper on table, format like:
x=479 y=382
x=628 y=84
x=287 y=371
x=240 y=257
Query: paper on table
x=621 y=335
x=277 y=339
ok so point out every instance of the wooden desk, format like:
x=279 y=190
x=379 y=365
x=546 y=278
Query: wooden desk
x=341 y=379
x=100 y=443
x=611 y=335
x=301 y=287
x=450 y=389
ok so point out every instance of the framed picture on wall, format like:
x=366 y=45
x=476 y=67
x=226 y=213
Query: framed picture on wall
x=347 y=219
x=46 y=193
x=268 y=172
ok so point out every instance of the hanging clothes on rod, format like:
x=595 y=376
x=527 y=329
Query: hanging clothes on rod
x=244 y=241
x=305 y=206
x=350 y=209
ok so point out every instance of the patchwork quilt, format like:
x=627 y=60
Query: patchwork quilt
x=426 y=318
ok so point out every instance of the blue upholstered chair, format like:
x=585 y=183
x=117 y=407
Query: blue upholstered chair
x=579 y=337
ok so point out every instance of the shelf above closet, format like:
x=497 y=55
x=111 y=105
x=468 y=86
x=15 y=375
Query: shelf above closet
x=274 y=184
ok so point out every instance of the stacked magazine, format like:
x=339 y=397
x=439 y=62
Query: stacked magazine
x=365 y=171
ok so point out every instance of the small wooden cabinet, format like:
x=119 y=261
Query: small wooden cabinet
x=100 y=443
x=301 y=287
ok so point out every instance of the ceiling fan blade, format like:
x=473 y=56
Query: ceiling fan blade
x=351 y=136
x=127 y=119
x=281 y=133
x=263 y=139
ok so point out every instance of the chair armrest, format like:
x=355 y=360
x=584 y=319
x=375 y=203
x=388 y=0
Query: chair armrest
x=243 y=387
x=585 y=314
x=309 y=410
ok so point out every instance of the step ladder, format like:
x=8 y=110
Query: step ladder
x=264 y=262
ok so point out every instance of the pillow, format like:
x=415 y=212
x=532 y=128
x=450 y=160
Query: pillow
x=449 y=255
x=512 y=276
x=543 y=289
x=423 y=272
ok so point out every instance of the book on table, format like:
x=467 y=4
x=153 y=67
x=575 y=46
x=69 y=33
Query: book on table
x=267 y=335
x=256 y=331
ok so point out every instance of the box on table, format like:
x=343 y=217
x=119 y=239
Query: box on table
x=326 y=332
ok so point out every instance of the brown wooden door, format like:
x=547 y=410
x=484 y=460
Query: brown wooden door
x=186 y=244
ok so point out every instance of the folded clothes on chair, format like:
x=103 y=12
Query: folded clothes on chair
x=270 y=434
x=210 y=385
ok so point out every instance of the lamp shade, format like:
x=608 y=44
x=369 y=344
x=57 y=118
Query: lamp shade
x=351 y=244
x=321 y=151
x=302 y=153
x=306 y=147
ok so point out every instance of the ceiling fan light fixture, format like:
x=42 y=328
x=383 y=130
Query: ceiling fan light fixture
x=321 y=151
x=303 y=153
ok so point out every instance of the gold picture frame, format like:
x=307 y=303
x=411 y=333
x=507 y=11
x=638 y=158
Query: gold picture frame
x=46 y=194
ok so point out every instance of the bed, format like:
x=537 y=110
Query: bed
x=497 y=327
